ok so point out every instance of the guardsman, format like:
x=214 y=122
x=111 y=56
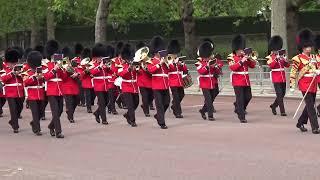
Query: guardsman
x=277 y=62
x=304 y=70
x=116 y=63
x=209 y=68
x=130 y=90
x=239 y=63
x=100 y=81
x=160 y=81
x=13 y=86
x=54 y=75
x=144 y=78
x=317 y=50
x=70 y=86
x=34 y=86
x=177 y=68
x=86 y=78
x=112 y=75
x=78 y=48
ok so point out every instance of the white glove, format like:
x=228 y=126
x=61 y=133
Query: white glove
x=317 y=71
x=292 y=90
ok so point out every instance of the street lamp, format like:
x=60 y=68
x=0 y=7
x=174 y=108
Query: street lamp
x=115 y=26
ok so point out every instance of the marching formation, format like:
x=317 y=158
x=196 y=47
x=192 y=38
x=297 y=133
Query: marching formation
x=50 y=75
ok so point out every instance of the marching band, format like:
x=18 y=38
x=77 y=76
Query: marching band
x=119 y=75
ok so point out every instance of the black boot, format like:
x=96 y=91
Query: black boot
x=89 y=110
x=273 y=109
x=302 y=128
x=203 y=114
x=96 y=117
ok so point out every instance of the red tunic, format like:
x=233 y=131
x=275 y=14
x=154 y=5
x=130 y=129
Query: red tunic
x=208 y=74
x=100 y=78
x=70 y=86
x=277 y=73
x=13 y=85
x=159 y=73
x=239 y=72
x=129 y=79
x=86 y=78
x=34 y=87
x=175 y=74
x=54 y=80
x=144 y=78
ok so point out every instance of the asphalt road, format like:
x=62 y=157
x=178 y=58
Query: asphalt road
x=268 y=147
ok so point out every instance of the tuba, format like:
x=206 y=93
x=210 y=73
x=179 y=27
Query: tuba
x=141 y=57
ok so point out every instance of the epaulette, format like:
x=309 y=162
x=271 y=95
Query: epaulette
x=230 y=57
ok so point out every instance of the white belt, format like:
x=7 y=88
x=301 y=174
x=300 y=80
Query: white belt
x=175 y=72
x=242 y=73
x=209 y=75
x=34 y=87
x=129 y=81
x=277 y=70
x=55 y=80
x=309 y=75
x=13 y=84
x=160 y=75
x=102 y=77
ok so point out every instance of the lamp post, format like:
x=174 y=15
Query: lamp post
x=115 y=26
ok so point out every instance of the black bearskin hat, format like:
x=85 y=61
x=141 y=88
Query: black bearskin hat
x=20 y=50
x=126 y=52
x=34 y=59
x=39 y=48
x=305 y=39
x=275 y=43
x=317 y=43
x=11 y=55
x=119 y=47
x=66 y=51
x=207 y=39
x=52 y=47
x=206 y=49
x=86 y=53
x=140 y=45
x=99 y=50
x=110 y=51
x=238 y=42
x=78 y=48
x=26 y=52
x=174 y=47
x=157 y=44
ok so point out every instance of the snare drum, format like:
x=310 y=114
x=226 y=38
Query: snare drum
x=187 y=80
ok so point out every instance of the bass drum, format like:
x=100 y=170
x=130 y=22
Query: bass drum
x=118 y=82
x=187 y=80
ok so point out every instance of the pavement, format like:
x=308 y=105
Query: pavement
x=268 y=147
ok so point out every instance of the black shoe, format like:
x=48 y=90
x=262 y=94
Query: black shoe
x=316 y=131
x=147 y=115
x=273 y=109
x=1 y=115
x=32 y=127
x=302 y=128
x=105 y=122
x=318 y=114
x=211 y=119
x=164 y=127
x=71 y=121
x=89 y=110
x=283 y=114
x=179 y=116
x=16 y=131
x=114 y=112
x=60 y=136
x=38 y=133
x=97 y=117
x=52 y=132
x=243 y=121
x=203 y=114
x=152 y=108
x=134 y=124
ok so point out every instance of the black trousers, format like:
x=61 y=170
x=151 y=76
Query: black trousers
x=89 y=97
x=119 y=99
x=243 y=97
x=56 y=106
x=209 y=97
x=36 y=107
x=147 y=99
x=102 y=104
x=15 y=107
x=177 y=97
x=280 y=89
x=2 y=103
x=82 y=99
x=132 y=102
x=309 y=112
x=112 y=99
x=72 y=102
x=43 y=110
x=162 y=100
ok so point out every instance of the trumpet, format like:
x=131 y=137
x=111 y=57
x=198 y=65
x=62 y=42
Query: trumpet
x=135 y=65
